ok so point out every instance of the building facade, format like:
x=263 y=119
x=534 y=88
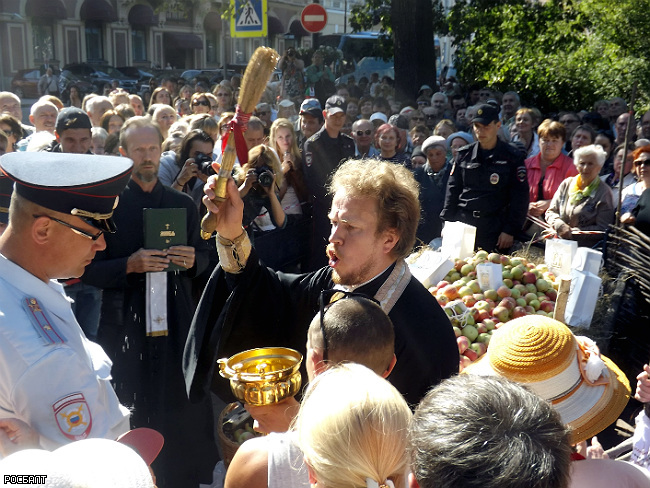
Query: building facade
x=131 y=33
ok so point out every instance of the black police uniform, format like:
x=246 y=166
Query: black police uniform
x=489 y=190
x=322 y=156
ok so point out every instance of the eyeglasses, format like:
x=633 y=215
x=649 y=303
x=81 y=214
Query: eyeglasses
x=642 y=162
x=362 y=132
x=262 y=113
x=74 y=229
x=326 y=300
x=205 y=103
x=417 y=118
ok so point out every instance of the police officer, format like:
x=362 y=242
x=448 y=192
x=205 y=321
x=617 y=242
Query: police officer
x=51 y=376
x=488 y=187
x=324 y=151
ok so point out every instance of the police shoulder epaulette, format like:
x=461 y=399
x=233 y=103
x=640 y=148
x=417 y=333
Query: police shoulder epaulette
x=41 y=322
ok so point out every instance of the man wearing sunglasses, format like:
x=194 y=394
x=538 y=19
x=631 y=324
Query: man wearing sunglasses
x=373 y=218
x=51 y=376
x=363 y=133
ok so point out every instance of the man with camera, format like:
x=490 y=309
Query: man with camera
x=146 y=313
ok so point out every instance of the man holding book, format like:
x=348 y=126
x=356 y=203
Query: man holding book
x=147 y=310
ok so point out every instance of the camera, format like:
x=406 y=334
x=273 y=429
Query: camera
x=204 y=163
x=264 y=176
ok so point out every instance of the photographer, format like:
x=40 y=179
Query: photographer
x=293 y=77
x=259 y=183
x=188 y=169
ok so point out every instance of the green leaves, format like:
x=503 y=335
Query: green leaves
x=560 y=54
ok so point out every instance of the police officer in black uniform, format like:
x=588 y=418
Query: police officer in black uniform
x=324 y=151
x=488 y=187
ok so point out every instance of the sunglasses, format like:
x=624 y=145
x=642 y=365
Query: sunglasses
x=326 y=300
x=222 y=94
x=74 y=229
x=642 y=162
x=261 y=113
x=205 y=103
x=362 y=132
x=417 y=118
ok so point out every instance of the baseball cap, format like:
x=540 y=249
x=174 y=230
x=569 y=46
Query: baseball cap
x=84 y=185
x=335 y=104
x=72 y=118
x=312 y=107
x=486 y=113
x=286 y=103
x=586 y=388
x=146 y=442
x=379 y=116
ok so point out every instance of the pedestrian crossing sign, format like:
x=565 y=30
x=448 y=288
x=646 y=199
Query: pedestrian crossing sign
x=249 y=18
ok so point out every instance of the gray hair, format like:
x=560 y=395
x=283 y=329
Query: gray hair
x=488 y=432
x=513 y=93
x=440 y=93
x=590 y=150
x=92 y=102
x=40 y=104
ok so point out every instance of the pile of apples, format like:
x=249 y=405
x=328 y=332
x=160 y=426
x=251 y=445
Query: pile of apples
x=474 y=313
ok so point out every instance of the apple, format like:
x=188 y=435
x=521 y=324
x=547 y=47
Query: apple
x=481 y=328
x=478 y=297
x=518 y=311
x=501 y=313
x=542 y=284
x=517 y=272
x=481 y=254
x=551 y=294
x=531 y=288
x=454 y=276
x=478 y=347
x=458 y=264
x=494 y=257
x=463 y=344
x=471 y=354
x=506 y=274
x=508 y=282
x=528 y=277
x=470 y=332
x=515 y=293
x=450 y=291
x=484 y=338
x=482 y=305
x=503 y=291
x=463 y=363
x=542 y=267
x=433 y=290
x=469 y=300
x=535 y=304
x=466 y=269
x=483 y=315
x=529 y=310
x=521 y=287
x=530 y=266
x=491 y=295
x=521 y=301
x=475 y=287
x=464 y=291
x=491 y=302
x=505 y=260
x=489 y=324
x=517 y=261
x=469 y=320
x=509 y=303
x=547 y=306
x=541 y=312
x=530 y=297
x=442 y=284
x=442 y=300
x=457 y=332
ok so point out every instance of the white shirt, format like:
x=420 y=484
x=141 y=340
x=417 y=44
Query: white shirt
x=61 y=389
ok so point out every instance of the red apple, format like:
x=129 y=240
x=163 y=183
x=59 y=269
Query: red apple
x=551 y=294
x=529 y=310
x=458 y=264
x=547 y=306
x=482 y=315
x=503 y=291
x=481 y=328
x=509 y=303
x=450 y=292
x=442 y=300
x=478 y=347
x=529 y=277
x=494 y=257
x=463 y=344
x=471 y=354
x=518 y=312
x=501 y=313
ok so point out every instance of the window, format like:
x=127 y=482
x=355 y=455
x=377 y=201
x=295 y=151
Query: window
x=94 y=41
x=139 y=44
x=212 y=46
x=43 y=44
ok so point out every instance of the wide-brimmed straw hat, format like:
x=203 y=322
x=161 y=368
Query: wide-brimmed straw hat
x=587 y=389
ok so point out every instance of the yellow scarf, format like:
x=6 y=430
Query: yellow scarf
x=576 y=194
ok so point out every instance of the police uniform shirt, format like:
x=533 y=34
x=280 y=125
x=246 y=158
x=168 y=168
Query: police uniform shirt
x=489 y=186
x=51 y=376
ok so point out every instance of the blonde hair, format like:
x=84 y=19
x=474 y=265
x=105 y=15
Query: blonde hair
x=285 y=124
x=352 y=425
x=259 y=156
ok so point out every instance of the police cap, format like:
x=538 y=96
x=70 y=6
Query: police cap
x=6 y=188
x=83 y=185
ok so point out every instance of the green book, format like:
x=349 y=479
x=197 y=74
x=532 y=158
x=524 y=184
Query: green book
x=165 y=227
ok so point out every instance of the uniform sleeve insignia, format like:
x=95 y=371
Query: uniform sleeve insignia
x=41 y=322
x=494 y=178
x=308 y=159
x=521 y=174
x=73 y=416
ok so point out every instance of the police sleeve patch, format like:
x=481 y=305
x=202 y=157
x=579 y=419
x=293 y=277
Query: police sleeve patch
x=308 y=159
x=521 y=174
x=73 y=417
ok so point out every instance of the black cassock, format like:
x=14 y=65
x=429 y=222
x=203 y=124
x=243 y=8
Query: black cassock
x=262 y=308
x=147 y=371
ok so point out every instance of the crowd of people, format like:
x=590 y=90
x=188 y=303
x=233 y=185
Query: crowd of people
x=335 y=187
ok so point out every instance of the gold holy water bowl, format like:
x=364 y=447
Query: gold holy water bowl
x=264 y=375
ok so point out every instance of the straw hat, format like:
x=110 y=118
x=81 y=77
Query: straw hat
x=588 y=390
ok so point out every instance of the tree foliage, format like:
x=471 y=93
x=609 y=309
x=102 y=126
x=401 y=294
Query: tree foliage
x=558 y=54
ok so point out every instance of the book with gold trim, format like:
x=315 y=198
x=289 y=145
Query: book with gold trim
x=163 y=228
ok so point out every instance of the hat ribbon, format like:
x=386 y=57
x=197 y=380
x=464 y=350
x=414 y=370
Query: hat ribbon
x=592 y=368
x=370 y=483
x=91 y=215
x=237 y=126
